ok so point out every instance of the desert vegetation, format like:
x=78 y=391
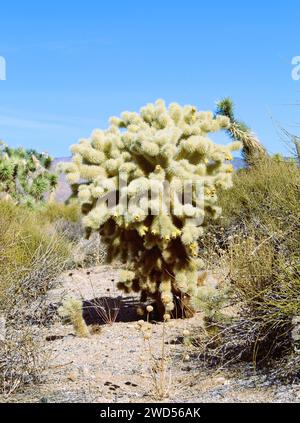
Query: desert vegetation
x=25 y=175
x=32 y=255
x=207 y=284
x=157 y=151
x=257 y=242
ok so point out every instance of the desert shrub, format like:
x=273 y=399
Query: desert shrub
x=271 y=186
x=31 y=258
x=22 y=359
x=53 y=212
x=25 y=175
x=72 y=231
x=66 y=220
x=259 y=248
x=147 y=150
x=86 y=252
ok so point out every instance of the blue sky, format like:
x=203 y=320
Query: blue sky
x=72 y=64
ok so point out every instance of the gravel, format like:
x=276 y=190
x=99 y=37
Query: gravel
x=113 y=365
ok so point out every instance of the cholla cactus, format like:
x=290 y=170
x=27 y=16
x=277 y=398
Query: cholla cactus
x=25 y=175
x=152 y=150
x=71 y=309
x=211 y=301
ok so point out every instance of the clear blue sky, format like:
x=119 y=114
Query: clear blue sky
x=72 y=64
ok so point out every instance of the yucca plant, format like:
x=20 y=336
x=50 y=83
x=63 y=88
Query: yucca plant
x=238 y=130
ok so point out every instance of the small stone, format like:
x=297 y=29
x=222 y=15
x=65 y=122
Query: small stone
x=73 y=376
x=2 y=328
x=221 y=380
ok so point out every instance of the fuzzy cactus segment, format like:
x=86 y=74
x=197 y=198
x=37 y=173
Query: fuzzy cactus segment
x=71 y=309
x=157 y=150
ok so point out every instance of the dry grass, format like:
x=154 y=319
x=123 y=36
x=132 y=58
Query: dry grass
x=107 y=309
x=31 y=258
x=257 y=243
x=53 y=212
x=22 y=360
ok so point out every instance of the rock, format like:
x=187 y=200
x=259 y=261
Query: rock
x=221 y=381
x=296 y=329
x=2 y=328
x=73 y=375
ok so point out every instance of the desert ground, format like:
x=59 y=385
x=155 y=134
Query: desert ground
x=113 y=365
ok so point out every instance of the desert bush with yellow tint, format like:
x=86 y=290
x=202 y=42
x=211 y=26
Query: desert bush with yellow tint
x=257 y=242
x=32 y=255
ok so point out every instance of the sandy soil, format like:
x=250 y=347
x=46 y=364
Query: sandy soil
x=113 y=365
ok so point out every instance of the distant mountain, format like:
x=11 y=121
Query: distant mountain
x=238 y=163
x=60 y=160
x=63 y=190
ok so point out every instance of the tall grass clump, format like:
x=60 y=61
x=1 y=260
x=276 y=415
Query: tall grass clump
x=53 y=212
x=258 y=247
x=27 y=253
x=31 y=258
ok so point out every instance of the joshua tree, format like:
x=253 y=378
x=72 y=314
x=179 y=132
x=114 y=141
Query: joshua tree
x=25 y=175
x=238 y=130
